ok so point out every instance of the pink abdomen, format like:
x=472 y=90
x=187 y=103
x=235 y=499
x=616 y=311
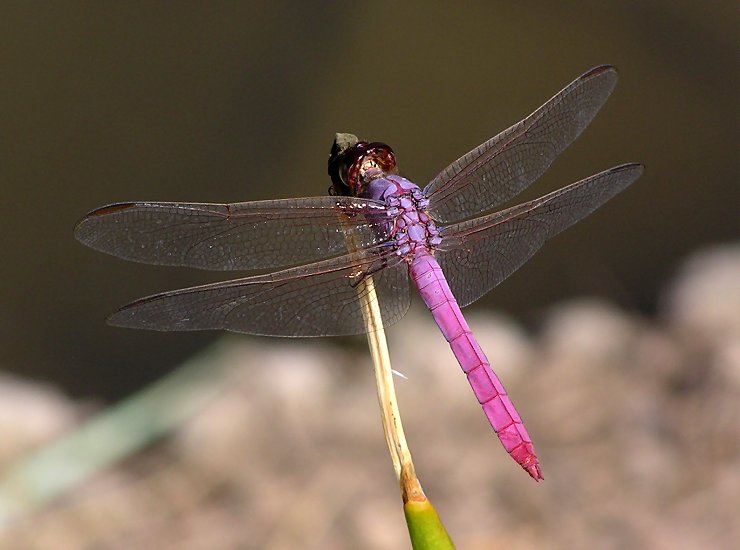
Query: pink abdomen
x=497 y=406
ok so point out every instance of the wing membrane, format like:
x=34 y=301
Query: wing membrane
x=477 y=255
x=241 y=236
x=319 y=299
x=508 y=163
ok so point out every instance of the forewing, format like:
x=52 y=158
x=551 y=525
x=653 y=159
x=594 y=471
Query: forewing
x=241 y=236
x=477 y=255
x=508 y=163
x=319 y=299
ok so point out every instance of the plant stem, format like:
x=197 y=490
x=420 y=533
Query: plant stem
x=425 y=527
x=390 y=415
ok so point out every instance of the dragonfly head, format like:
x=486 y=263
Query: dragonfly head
x=354 y=163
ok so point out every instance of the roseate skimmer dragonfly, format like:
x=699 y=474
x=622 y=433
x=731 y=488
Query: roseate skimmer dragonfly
x=374 y=224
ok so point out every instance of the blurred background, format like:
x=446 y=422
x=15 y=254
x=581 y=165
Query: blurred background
x=223 y=102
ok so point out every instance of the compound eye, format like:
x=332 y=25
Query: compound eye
x=383 y=156
x=351 y=164
x=342 y=157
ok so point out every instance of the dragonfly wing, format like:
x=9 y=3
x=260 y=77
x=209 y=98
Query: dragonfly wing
x=508 y=163
x=319 y=299
x=477 y=255
x=241 y=236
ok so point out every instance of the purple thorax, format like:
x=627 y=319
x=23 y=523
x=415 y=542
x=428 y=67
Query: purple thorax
x=413 y=230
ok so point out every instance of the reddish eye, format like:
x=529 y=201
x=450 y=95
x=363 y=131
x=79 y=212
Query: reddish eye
x=350 y=172
x=347 y=164
x=383 y=156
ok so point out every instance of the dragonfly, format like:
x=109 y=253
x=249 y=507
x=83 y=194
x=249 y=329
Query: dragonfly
x=374 y=224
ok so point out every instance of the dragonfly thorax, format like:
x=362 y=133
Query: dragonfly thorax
x=413 y=229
